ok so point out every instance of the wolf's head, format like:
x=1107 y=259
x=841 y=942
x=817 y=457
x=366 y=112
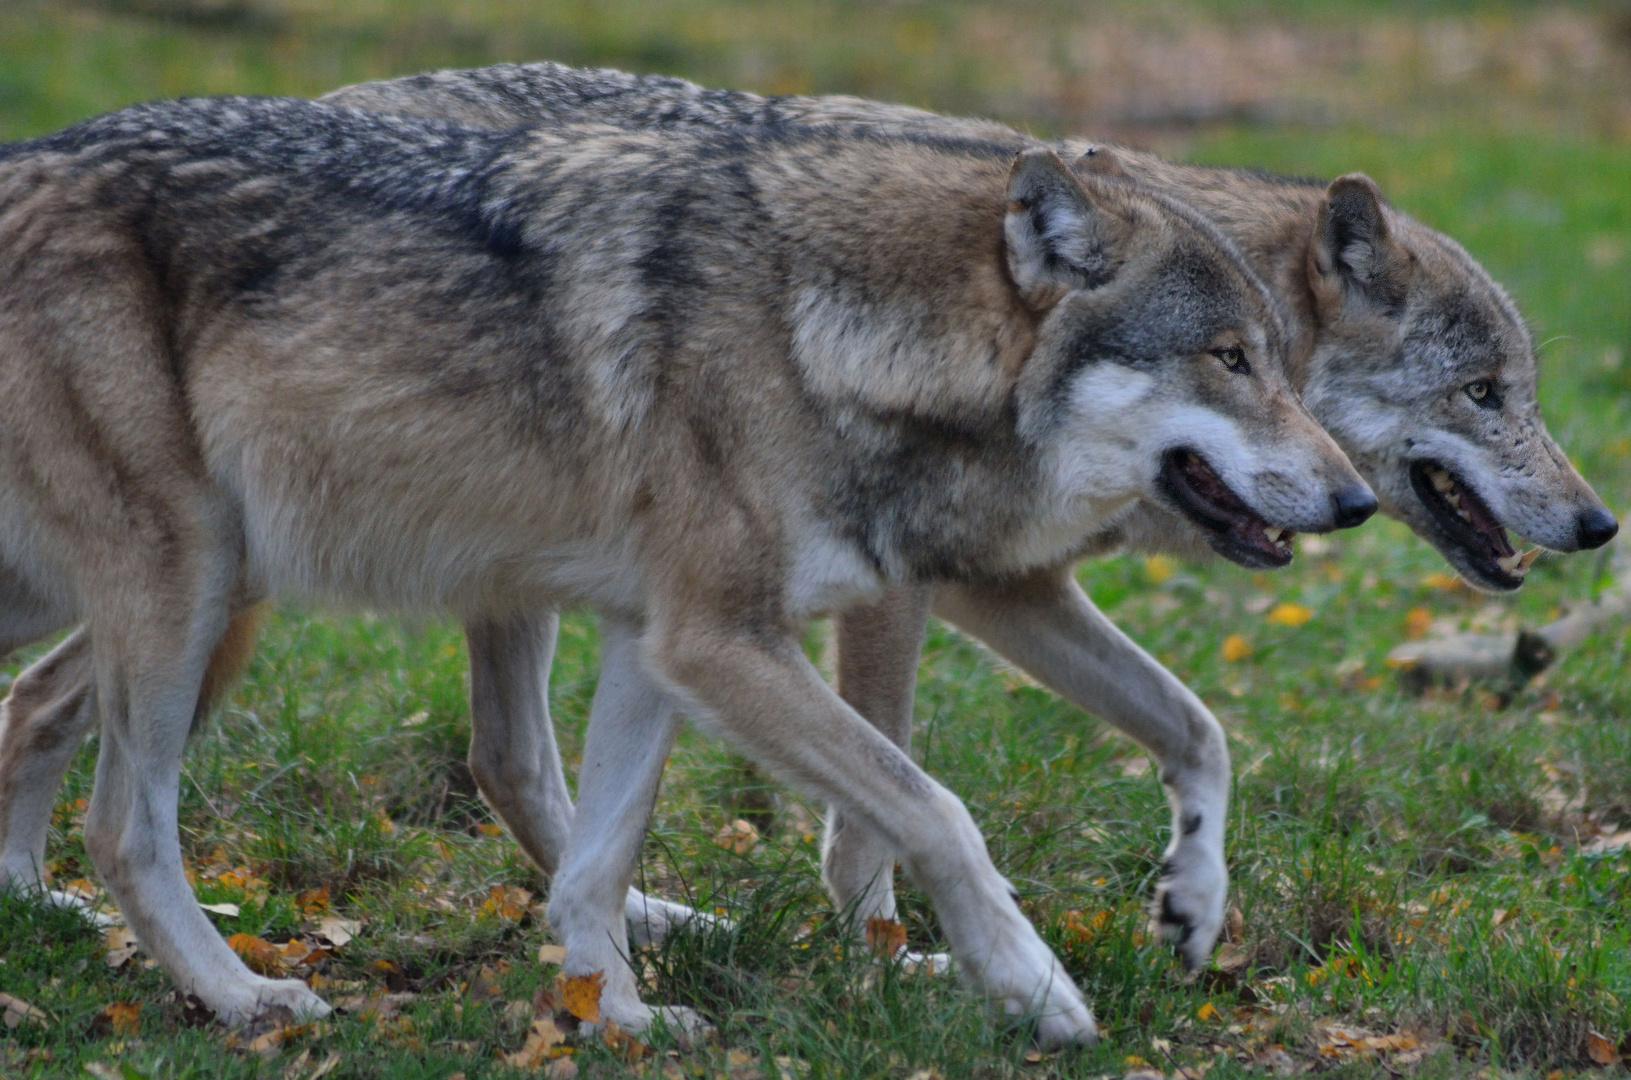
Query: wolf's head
x=1158 y=370
x=1424 y=373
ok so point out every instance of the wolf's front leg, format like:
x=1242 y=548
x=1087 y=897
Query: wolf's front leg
x=762 y=691
x=631 y=728
x=1048 y=627
x=513 y=754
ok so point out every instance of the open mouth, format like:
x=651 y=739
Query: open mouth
x=1466 y=521
x=1230 y=526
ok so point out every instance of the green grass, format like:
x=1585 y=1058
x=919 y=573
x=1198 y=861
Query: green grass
x=1374 y=835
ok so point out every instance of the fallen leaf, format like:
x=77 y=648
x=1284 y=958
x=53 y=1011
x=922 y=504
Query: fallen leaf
x=229 y=910
x=739 y=836
x=1236 y=647
x=542 y=1037
x=1207 y=1011
x=563 y=1068
x=337 y=931
x=313 y=901
x=396 y=980
x=580 y=994
x=17 y=1011
x=122 y=1018
x=488 y=828
x=1160 y=568
x=484 y=985
x=120 y=944
x=1289 y=614
x=1417 y=622
x=507 y=902
x=885 y=937
x=1600 y=1049
x=631 y=1048
x=552 y=954
x=259 y=954
x=1231 y=957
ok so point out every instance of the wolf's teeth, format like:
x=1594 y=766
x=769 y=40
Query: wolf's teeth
x=1529 y=558
x=1272 y=533
x=1441 y=480
x=1453 y=499
x=1463 y=515
x=1509 y=563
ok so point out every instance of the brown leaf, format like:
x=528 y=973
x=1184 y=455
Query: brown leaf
x=885 y=937
x=617 y=1039
x=259 y=954
x=396 y=981
x=542 y=1037
x=551 y=954
x=580 y=994
x=121 y=1018
x=120 y=944
x=1600 y=1049
x=739 y=836
x=563 y=1068
x=484 y=985
x=1232 y=958
x=313 y=901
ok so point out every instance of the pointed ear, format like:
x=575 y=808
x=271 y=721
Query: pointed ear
x=1100 y=161
x=1057 y=239
x=1353 y=251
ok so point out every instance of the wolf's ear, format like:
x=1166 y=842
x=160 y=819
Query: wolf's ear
x=1057 y=239
x=1100 y=161
x=1353 y=252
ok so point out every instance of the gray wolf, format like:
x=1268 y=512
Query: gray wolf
x=1414 y=359
x=709 y=383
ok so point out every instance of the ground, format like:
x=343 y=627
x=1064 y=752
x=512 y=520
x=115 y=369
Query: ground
x=1424 y=885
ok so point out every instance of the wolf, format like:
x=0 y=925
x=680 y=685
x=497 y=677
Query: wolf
x=709 y=383
x=1389 y=321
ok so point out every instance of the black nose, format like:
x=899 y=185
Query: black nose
x=1353 y=505
x=1595 y=528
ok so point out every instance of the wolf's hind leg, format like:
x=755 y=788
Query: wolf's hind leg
x=51 y=706
x=513 y=755
x=152 y=629
x=631 y=728
x=1047 y=626
x=763 y=693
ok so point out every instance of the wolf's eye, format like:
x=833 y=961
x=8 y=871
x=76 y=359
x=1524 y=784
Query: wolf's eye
x=1483 y=394
x=1234 y=358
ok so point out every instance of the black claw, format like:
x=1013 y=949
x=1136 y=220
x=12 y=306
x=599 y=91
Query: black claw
x=1170 y=916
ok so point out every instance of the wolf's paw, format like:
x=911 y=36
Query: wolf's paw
x=1028 y=981
x=1189 y=902
x=651 y=919
x=267 y=1000
x=927 y=963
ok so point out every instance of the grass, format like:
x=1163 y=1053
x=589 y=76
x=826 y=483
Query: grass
x=1401 y=864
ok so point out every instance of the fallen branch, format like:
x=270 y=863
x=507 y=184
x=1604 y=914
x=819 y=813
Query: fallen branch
x=1510 y=661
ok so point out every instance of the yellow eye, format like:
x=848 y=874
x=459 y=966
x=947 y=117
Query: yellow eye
x=1234 y=358
x=1479 y=391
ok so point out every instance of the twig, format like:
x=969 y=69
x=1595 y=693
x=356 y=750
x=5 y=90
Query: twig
x=1512 y=660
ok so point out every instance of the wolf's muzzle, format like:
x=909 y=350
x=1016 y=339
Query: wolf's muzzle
x=1595 y=527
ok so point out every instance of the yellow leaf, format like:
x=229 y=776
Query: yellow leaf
x=507 y=902
x=580 y=994
x=1236 y=647
x=123 y=1018
x=542 y=1037
x=313 y=901
x=488 y=828
x=885 y=937
x=1289 y=614
x=120 y=944
x=258 y=953
x=1417 y=622
x=551 y=954
x=1159 y=569
x=1207 y=1011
